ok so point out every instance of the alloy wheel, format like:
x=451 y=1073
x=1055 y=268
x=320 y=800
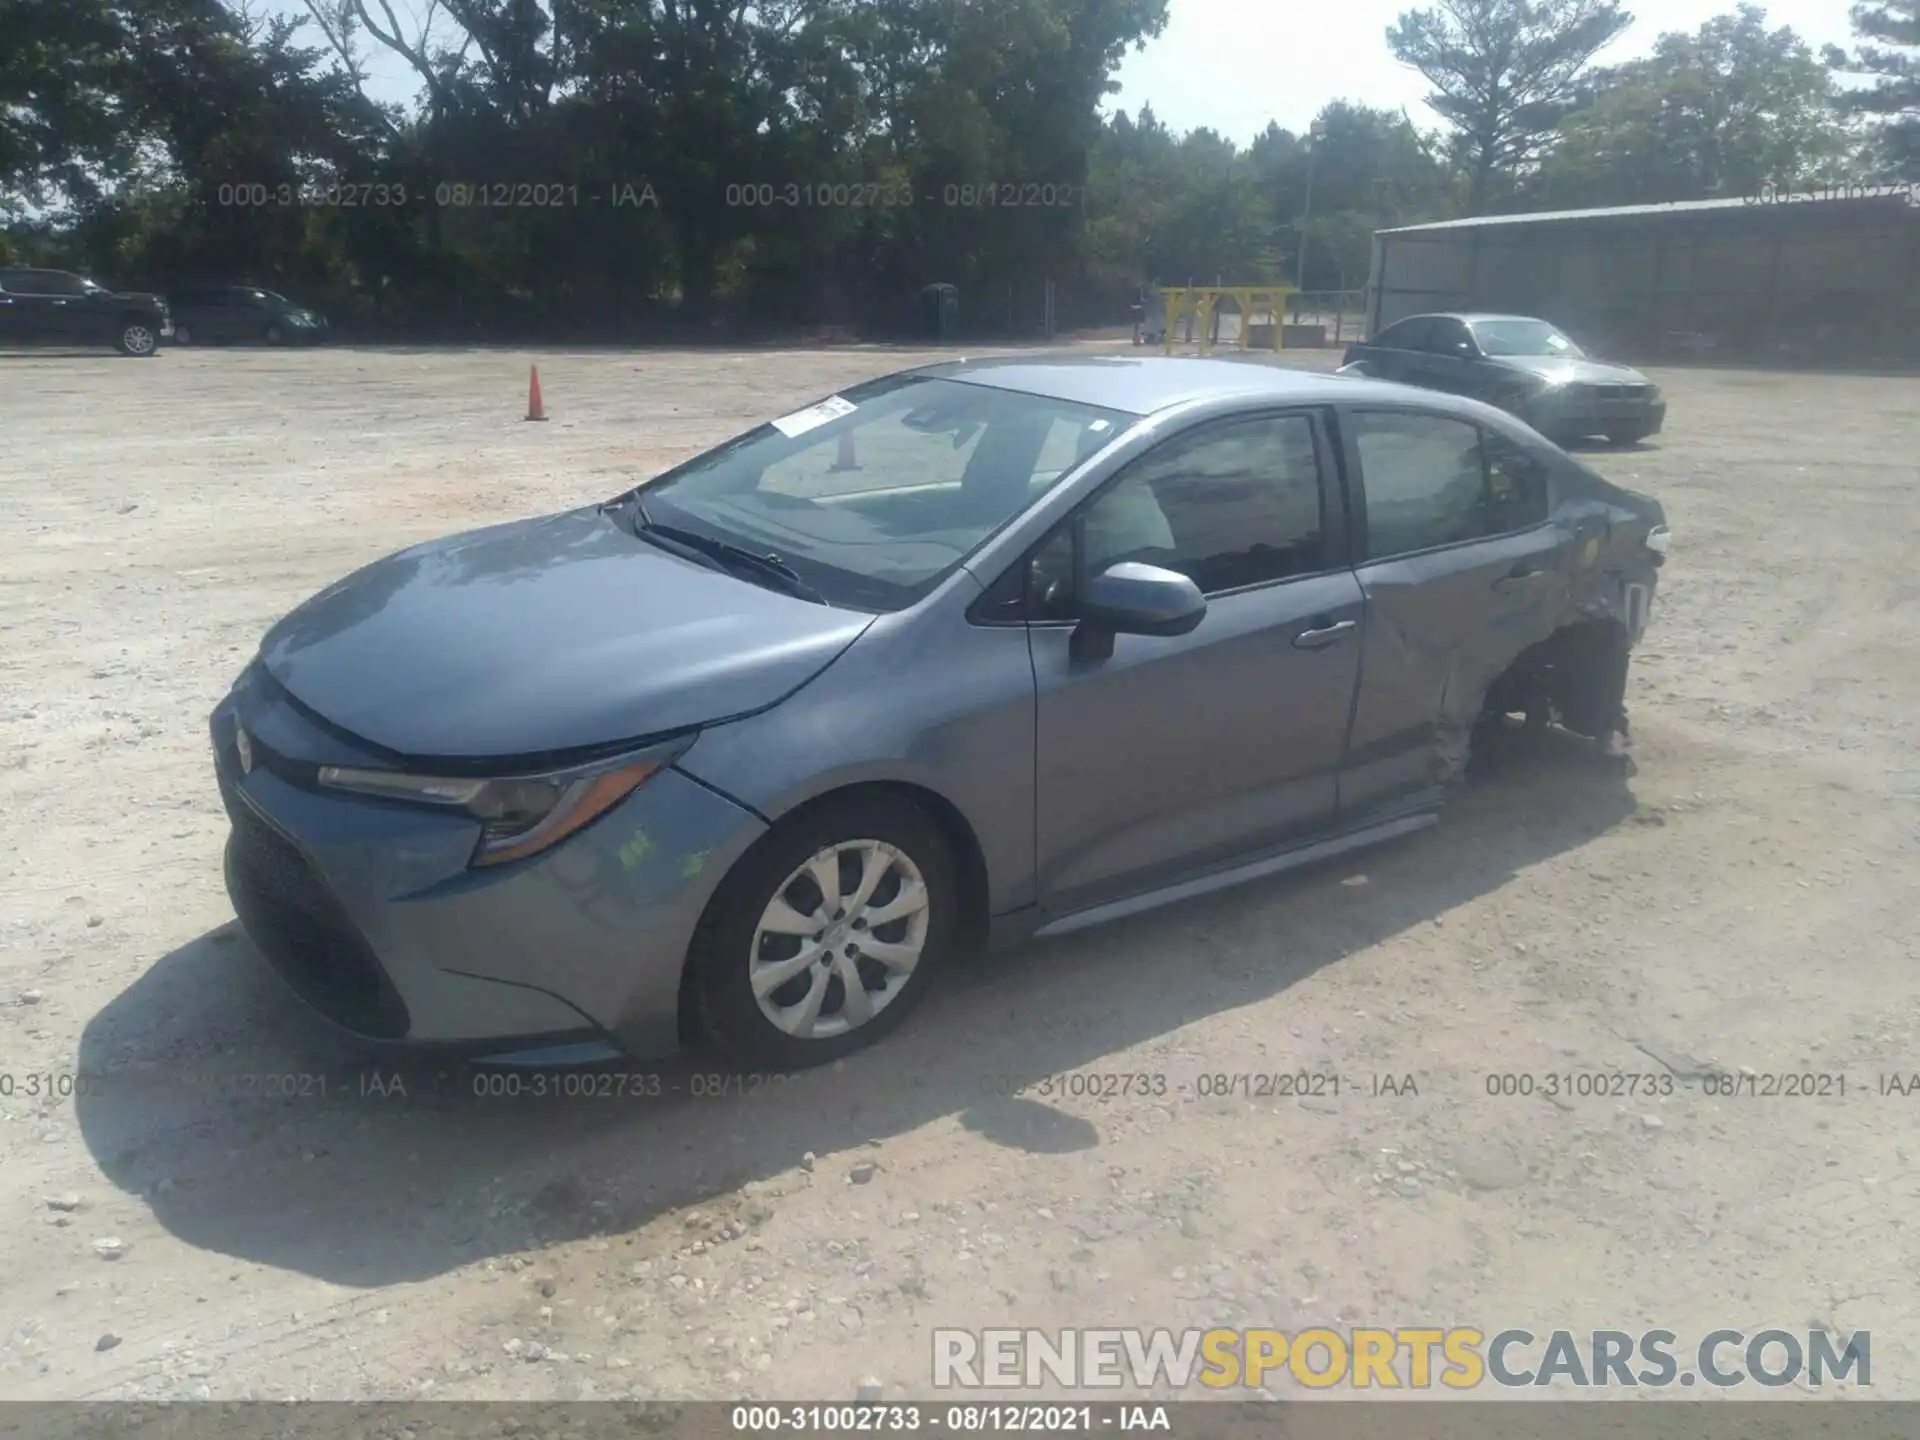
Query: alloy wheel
x=137 y=339
x=839 y=939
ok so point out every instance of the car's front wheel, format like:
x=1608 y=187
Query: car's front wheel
x=137 y=337
x=826 y=933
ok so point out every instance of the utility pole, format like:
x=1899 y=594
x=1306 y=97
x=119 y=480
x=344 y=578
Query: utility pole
x=1315 y=132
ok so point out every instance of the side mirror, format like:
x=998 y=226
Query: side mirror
x=1134 y=599
x=1466 y=349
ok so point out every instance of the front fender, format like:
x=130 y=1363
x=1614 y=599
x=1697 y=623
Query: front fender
x=944 y=706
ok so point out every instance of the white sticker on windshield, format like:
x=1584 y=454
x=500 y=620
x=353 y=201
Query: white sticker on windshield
x=814 y=416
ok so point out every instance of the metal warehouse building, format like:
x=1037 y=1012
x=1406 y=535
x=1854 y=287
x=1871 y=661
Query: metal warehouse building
x=1809 y=277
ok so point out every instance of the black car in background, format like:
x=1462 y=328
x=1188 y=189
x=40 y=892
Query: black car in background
x=1522 y=364
x=224 y=313
x=57 y=307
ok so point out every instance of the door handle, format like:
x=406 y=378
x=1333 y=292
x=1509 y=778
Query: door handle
x=1324 y=636
x=1519 y=575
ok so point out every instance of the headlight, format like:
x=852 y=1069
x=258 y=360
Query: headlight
x=519 y=815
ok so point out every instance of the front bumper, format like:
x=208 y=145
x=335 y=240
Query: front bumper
x=370 y=913
x=1590 y=413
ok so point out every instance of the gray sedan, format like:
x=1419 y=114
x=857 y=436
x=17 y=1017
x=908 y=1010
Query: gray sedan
x=962 y=655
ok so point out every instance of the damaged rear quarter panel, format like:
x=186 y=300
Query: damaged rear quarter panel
x=1443 y=624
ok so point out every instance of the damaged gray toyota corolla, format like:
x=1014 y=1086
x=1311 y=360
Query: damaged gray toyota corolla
x=968 y=653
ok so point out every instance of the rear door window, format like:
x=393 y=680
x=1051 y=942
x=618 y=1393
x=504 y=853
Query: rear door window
x=1433 y=480
x=1407 y=335
x=1423 y=479
x=42 y=282
x=1443 y=336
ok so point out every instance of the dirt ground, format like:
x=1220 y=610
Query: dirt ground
x=1746 y=899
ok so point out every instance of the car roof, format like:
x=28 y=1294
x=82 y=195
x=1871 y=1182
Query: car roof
x=1145 y=385
x=1471 y=316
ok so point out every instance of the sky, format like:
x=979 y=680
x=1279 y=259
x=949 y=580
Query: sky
x=1234 y=65
x=1285 y=61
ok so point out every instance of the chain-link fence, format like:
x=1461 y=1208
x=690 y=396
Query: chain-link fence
x=1326 y=317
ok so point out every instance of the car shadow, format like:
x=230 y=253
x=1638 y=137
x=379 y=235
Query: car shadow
x=253 y=1131
x=67 y=352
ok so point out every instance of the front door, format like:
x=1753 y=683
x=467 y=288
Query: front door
x=69 y=318
x=1176 y=755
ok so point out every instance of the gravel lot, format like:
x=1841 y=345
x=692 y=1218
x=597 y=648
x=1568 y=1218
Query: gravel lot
x=1747 y=899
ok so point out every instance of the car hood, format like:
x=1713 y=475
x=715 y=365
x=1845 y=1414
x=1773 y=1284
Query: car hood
x=542 y=636
x=1578 y=372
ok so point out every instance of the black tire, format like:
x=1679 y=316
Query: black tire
x=139 y=338
x=722 y=1004
x=1627 y=435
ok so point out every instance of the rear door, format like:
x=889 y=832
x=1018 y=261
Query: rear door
x=40 y=306
x=188 y=309
x=1462 y=569
x=16 y=315
x=1393 y=354
x=1446 y=357
x=1177 y=754
x=222 y=315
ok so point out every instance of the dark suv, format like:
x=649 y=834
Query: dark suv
x=56 y=307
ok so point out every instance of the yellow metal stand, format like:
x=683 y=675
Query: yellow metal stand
x=1202 y=303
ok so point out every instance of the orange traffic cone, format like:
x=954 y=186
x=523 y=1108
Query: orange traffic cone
x=535 y=410
x=844 y=459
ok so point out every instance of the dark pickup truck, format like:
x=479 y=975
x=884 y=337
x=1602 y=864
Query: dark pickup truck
x=56 y=307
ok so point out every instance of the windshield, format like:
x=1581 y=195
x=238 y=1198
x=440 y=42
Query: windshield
x=875 y=496
x=1523 y=337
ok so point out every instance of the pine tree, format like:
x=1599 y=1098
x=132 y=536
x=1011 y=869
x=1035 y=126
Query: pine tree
x=1888 y=32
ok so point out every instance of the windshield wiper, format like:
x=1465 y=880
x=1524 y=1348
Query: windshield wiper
x=768 y=566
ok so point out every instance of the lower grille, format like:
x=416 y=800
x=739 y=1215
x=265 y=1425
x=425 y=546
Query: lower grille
x=288 y=912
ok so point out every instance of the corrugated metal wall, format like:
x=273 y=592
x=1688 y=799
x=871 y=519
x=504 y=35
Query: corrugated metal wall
x=1814 y=279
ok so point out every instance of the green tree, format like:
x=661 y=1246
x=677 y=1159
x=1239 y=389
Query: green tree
x=1503 y=73
x=1718 y=112
x=1889 y=49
